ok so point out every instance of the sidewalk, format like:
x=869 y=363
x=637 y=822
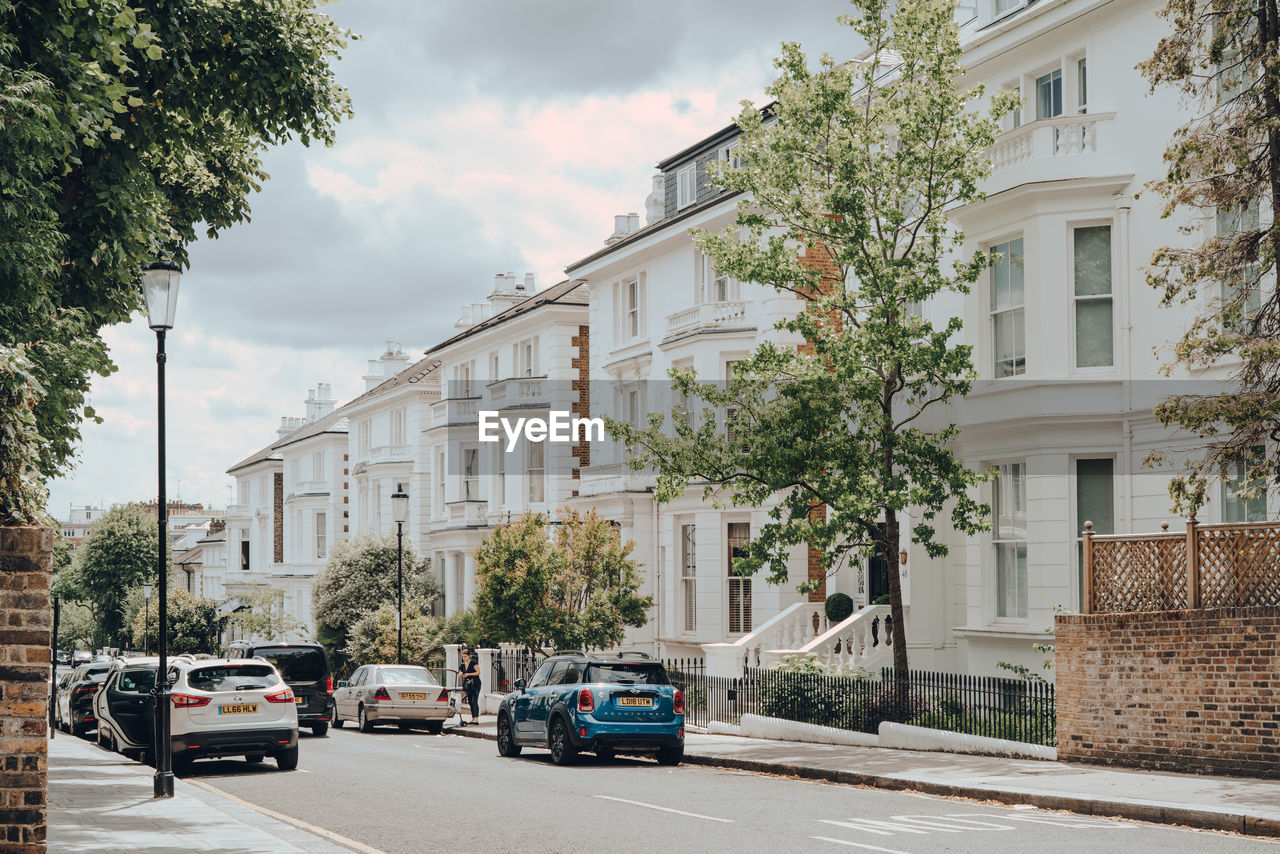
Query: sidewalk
x=101 y=802
x=1237 y=804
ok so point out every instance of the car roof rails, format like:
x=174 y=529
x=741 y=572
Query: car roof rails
x=569 y=652
x=633 y=653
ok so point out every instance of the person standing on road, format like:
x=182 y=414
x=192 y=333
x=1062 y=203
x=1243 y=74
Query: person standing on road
x=470 y=676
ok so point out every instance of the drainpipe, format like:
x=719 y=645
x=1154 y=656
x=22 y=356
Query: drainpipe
x=1123 y=203
x=657 y=575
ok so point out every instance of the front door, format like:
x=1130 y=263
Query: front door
x=877 y=573
x=130 y=703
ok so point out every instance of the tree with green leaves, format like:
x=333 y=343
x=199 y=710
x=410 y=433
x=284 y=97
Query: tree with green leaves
x=856 y=164
x=128 y=127
x=568 y=584
x=360 y=576
x=194 y=624
x=264 y=617
x=1225 y=163
x=372 y=639
x=118 y=554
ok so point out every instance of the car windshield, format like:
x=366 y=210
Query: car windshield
x=232 y=677
x=407 y=676
x=96 y=674
x=627 y=674
x=138 y=681
x=296 y=664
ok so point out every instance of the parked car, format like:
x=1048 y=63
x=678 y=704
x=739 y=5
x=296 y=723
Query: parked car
x=402 y=694
x=61 y=700
x=600 y=703
x=83 y=685
x=62 y=658
x=125 y=707
x=218 y=707
x=81 y=656
x=305 y=668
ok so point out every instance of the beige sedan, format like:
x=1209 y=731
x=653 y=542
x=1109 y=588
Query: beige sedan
x=403 y=694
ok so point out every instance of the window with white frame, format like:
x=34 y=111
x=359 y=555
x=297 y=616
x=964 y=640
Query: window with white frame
x=535 y=471
x=317 y=466
x=495 y=366
x=1095 y=502
x=729 y=154
x=1013 y=120
x=1000 y=7
x=1092 y=273
x=1008 y=316
x=689 y=577
x=500 y=467
x=440 y=482
x=686 y=186
x=1049 y=94
x=471 y=474
x=524 y=356
x=739 y=535
x=1244 y=490
x=1082 y=87
x=462 y=376
x=295 y=470
x=322 y=535
x=629 y=308
x=243 y=489
x=1231 y=221
x=363 y=433
x=711 y=286
x=398 y=426
x=1009 y=534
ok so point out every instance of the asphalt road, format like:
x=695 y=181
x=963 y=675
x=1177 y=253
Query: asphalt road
x=410 y=792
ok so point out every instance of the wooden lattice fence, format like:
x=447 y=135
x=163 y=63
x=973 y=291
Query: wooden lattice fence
x=1209 y=566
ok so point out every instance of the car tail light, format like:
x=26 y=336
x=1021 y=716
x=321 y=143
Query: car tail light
x=85 y=689
x=328 y=684
x=183 y=701
x=381 y=694
x=678 y=701
x=444 y=696
x=585 y=703
x=285 y=696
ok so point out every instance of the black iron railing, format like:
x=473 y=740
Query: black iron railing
x=510 y=665
x=1014 y=709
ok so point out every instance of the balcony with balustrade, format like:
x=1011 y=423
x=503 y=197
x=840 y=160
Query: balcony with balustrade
x=522 y=393
x=709 y=316
x=1054 y=149
x=454 y=411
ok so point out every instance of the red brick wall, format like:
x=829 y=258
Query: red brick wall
x=24 y=686
x=277 y=529
x=581 y=451
x=1194 y=691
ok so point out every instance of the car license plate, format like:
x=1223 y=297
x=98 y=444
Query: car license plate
x=635 y=701
x=299 y=700
x=238 y=709
x=412 y=695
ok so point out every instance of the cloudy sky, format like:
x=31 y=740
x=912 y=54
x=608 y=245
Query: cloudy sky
x=490 y=136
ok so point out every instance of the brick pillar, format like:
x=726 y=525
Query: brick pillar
x=277 y=500
x=25 y=560
x=581 y=451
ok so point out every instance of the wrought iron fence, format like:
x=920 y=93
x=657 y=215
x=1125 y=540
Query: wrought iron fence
x=1015 y=709
x=510 y=665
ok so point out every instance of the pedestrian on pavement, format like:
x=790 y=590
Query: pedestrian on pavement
x=470 y=676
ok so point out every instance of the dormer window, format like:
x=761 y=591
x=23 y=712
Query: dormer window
x=686 y=186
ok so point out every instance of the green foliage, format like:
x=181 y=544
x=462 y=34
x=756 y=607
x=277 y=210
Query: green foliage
x=857 y=164
x=465 y=627
x=127 y=126
x=1030 y=720
x=118 y=554
x=264 y=617
x=800 y=689
x=372 y=639
x=358 y=578
x=77 y=626
x=838 y=608
x=1224 y=164
x=22 y=491
x=567 y=586
x=194 y=625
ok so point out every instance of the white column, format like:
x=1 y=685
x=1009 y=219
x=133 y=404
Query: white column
x=451 y=661
x=451 y=591
x=485 y=659
x=468 y=561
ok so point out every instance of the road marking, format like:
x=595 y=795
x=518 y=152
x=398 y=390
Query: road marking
x=871 y=825
x=1052 y=820
x=858 y=845
x=288 y=819
x=664 y=809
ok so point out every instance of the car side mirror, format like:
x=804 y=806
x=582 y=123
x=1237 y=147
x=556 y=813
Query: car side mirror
x=342 y=683
x=520 y=684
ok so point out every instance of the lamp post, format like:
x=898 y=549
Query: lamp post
x=160 y=290
x=399 y=512
x=146 y=625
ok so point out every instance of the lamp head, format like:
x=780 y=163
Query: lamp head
x=399 y=505
x=160 y=290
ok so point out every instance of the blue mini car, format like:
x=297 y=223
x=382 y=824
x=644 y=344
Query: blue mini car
x=602 y=703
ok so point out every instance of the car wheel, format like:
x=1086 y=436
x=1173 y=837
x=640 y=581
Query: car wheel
x=605 y=753
x=365 y=724
x=562 y=750
x=287 y=760
x=320 y=729
x=336 y=720
x=255 y=757
x=671 y=755
x=435 y=727
x=506 y=738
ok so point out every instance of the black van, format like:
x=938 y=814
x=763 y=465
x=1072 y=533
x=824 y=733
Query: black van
x=305 y=669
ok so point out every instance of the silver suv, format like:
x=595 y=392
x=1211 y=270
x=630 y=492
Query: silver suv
x=232 y=707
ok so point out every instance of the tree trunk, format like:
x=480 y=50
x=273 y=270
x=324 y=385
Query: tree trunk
x=1268 y=35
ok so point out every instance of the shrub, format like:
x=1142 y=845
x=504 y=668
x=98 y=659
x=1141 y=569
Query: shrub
x=838 y=607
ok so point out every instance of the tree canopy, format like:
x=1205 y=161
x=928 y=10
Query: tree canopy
x=565 y=585
x=194 y=624
x=118 y=554
x=1224 y=167
x=372 y=638
x=846 y=179
x=129 y=127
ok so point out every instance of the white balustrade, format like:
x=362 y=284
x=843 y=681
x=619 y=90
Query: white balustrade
x=790 y=629
x=862 y=640
x=708 y=315
x=1060 y=136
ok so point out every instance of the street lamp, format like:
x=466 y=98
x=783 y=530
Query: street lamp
x=146 y=626
x=160 y=290
x=399 y=512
